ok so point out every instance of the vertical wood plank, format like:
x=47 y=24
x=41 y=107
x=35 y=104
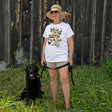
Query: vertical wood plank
x=32 y=29
x=0 y=16
x=111 y=27
x=92 y=51
x=20 y=23
x=8 y=40
x=103 y=28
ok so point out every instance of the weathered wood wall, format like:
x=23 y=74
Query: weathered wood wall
x=22 y=24
x=92 y=30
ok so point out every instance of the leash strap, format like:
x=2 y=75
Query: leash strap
x=71 y=71
x=69 y=68
x=44 y=67
x=57 y=67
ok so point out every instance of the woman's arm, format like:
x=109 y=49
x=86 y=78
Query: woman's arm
x=43 y=52
x=71 y=49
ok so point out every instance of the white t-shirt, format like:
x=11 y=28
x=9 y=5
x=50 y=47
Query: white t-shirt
x=56 y=48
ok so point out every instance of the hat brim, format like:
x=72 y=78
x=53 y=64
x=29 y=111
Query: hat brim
x=49 y=14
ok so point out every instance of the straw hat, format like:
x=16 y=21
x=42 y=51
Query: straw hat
x=56 y=7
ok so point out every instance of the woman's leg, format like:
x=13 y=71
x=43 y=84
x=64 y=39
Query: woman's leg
x=53 y=83
x=65 y=85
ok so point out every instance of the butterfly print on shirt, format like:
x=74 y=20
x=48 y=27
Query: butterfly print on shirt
x=54 y=37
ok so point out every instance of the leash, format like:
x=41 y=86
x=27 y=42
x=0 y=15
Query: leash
x=70 y=70
x=55 y=68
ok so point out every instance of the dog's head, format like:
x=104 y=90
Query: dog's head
x=32 y=71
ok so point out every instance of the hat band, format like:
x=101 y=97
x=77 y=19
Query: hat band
x=56 y=8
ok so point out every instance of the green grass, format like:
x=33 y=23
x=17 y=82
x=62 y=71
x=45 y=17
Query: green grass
x=92 y=92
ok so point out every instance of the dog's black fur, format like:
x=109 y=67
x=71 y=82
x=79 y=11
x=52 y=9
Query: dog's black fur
x=33 y=84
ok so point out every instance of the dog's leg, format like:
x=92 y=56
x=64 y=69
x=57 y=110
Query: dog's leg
x=41 y=94
x=27 y=100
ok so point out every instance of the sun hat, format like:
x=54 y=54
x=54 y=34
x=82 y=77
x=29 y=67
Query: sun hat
x=56 y=7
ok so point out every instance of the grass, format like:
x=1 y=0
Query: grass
x=92 y=92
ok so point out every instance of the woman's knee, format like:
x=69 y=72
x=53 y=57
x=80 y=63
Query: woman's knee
x=64 y=75
x=53 y=78
x=53 y=75
x=64 y=79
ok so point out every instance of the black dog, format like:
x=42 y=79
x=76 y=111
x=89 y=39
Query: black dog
x=33 y=84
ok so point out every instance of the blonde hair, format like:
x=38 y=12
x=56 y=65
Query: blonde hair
x=61 y=16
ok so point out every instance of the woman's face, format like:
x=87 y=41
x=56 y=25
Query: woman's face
x=55 y=15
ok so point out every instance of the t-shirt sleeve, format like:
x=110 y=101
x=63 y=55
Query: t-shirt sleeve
x=45 y=33
x=69 y=31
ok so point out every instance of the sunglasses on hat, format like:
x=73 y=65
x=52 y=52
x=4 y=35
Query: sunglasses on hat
x=54 y=12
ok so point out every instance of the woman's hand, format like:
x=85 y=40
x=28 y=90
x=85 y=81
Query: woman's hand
x=43 y=62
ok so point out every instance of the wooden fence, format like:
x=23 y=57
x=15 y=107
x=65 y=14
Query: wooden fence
x=22 y=24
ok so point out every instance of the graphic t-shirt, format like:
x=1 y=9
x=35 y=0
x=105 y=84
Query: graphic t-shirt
x=56 y=48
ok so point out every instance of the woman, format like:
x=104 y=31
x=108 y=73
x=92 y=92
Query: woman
x=58 y=50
